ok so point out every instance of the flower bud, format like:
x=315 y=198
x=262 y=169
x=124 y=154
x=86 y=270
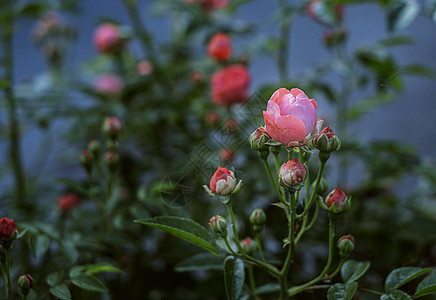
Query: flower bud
x=112 y=160
x=109 y=38
x=8 y=232
x=337 y=202
x=108 y=84
x=212 y=117
x=144 y=68
x=86 y=161
x=218 y=225
x=94 y=147
x=292 y=173
x=219 y=47
x=327 y=141
x=112 y=126
x=227 y=155
x=197 y=77
x=346 y=245
x=258 y=218
x=248 y=246
x=25 y=283
x=322 y=188
x=68 y=201
x=258 y=139
x=222 y=183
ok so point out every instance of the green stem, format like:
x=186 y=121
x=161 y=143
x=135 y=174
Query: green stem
x=235 y=231
x=230 y=248
x=371 y=291
x=5 y=281
x=306 y=227
x=291 y=246
x=273 y=182
x=285 y=30
x=298 y=289
x=315 y=190
x=337 y=270
x=14 y=131
x=8 y=273
x=259 y=246
x=252 y=282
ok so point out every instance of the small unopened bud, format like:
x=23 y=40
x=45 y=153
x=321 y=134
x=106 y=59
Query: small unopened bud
x=248 y=246
x=25 y=283
x=112 y=126
x=258 y=139
x=346 y=245
x=218 y=225
x=86 y=161
x=292 y=173
x=94 y=147
x=112 y=160
x=258 y=218
x=337 y=202
x=322 y=187
x=327 y=141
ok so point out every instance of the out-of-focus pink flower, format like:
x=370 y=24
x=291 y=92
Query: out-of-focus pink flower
x=230 y=85
x=108 y=38
x=212 y=117
x=220 y=47
x=227 y=155
x=109 y=84
x=68 y=201
x=291 y=117
x=112 y=126
x=144 y=67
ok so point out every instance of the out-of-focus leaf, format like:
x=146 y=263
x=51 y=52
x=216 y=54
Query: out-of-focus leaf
x=102 y=267
x=61 y=291
x=402 y=13
x=368 y=104
x=418 y=70
x=396 y=295
x=268 y=288
x=396 y=41
x=89 y=283
x=55 y=277
x=39 y=244
x=401 y=276
x=352 y=270
x=34 y=9
x=426 y=286
x=341 y=291
x=234 y=276
x=201 y=261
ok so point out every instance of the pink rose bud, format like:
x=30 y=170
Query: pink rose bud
x=144 y=67
x=25 y=283
x=94 y=147
x=112 y=160
x=218 y=225
x=346 y=245
x=227 y=155
x=68 y=201
x=86 y=160
x=222 y=183
x=219 y=47
x=230 y=85
x=258 y=219
x=258 y=139
x=292 y=173
x=108 y=84
x=337 y=202
x=112 y=126
x=109 y=38
x=327 y=141
x=8 y=232
x=248 y=246
x=291 y=117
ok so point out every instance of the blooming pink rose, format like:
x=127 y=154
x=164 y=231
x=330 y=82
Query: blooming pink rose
x=109 y=84
x=68 y=201
x=220 y=47
x=291 y=117
x=230 y=85
x=8 y=229
x=108 y=38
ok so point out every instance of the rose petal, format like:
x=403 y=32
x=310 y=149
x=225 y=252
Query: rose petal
x=278 y=94
x=273 y=109
x=305 y=111
x=285 y=129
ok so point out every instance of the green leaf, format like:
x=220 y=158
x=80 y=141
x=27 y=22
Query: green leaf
x=183 y=228
x=34 y=9
x=402 y=13
x=341 y=291
x=426 y=286
x=268 y=288
x=61 y=291
x=55 y=277
x=418 y=70
x=396 y=41
x=352 y=270
x=234 y=276
x=201 y=261
x=396 y=295
x=101 y=267
x=89 y=283
x=369 y=103
x=401 y=276
x=39 y=244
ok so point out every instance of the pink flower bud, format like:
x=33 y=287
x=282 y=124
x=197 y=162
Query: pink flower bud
x=8 y=232
x=108 y=38
x=112 y=126
x=230 y=85
x=346 y=245
x=109 y=84
x=337 y=201
x=68 y=201
x=291 y=117
x=327 y=141
x=248 y=246
x=219 y=47
x=219 y=225
x=86 y=160
x=25 y=282
x=144 y=67
x=223 y=182
x=112 y=160
x=292 y=173
x=258 y=139
x=227 y=155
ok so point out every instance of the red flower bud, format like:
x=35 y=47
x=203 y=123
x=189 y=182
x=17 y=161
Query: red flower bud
x=346 y=245
x=8 y=232
x=86 y=160
x=248 y=246
x=292 y=173
x=108 y=38
x=220 y=47
x=68 y=201
x=25 y=282
x=258 y=139
x=327 y=141
x=227 y=155
x=219 y=225
x=337 y=201
x=230 y=85
x=222 y=183
x=112 y=126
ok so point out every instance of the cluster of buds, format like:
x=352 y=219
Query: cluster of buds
x=8 y=233
x=223 y=183
x=336 y=202
x=345 y=245
x=292 y=174
x=219 y=225
x=258 y=219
